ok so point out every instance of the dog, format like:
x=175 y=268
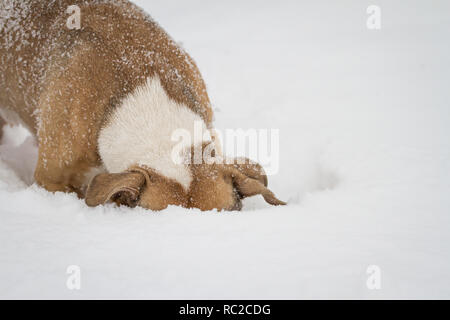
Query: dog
x=103 y=99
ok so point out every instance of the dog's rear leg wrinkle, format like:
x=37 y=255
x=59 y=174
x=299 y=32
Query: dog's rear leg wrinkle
x=2 y=124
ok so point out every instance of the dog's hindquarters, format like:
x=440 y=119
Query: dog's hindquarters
x=63 y=83
x=72 y=108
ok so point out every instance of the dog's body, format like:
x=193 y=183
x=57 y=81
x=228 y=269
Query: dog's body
x=106 y=98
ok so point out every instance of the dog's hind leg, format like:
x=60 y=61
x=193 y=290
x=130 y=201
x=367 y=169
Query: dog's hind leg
x=65 y=155
x=71 y=110
x=67 y=142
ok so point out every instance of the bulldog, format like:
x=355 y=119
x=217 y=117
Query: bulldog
x=103 y=99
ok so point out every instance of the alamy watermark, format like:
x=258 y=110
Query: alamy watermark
x=74 y=20
x=374 y=19
x=202 y=146
x=374 y=279
x=73 y=281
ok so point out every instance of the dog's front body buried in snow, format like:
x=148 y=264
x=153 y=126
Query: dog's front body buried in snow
x=103 y=100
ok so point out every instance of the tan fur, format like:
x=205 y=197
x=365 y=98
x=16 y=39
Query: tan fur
x=64 y=83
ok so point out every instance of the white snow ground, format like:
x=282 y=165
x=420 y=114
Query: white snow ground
x=364 y=121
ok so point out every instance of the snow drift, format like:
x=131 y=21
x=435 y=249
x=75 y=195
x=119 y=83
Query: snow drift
x=364 y=164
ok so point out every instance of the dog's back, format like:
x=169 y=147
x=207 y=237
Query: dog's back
x=36 y=46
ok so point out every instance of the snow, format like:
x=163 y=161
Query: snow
x=364 y=164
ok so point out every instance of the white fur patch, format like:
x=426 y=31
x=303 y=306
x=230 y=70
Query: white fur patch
x=140 y=131
x=11 y=117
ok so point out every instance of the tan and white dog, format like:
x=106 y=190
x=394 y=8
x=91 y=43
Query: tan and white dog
x=103 y=101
